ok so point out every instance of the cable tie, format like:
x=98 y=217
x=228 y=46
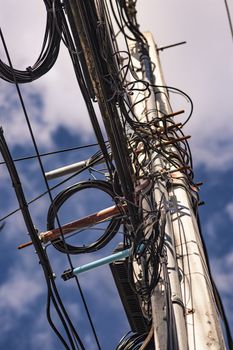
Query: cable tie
x=67 y=275
x=30 y=71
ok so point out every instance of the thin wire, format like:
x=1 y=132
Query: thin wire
x=33 y=234
x=41 y=165
x=54 y=152
x=46 y=192
x=48 y=189
x=229 y=18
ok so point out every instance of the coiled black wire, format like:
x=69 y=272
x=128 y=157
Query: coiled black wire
x=62 y=197
x=48 y=54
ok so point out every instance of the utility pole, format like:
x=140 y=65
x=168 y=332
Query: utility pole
x=194 y=308
x=184 y=288
x=149 y=179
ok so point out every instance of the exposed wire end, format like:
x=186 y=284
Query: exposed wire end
x=24 y=245
x=171 y=142
x=165 y=116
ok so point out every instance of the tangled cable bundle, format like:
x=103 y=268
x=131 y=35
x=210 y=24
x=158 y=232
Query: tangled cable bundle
x=48 y=54
x=107 y=75
x=62 y=197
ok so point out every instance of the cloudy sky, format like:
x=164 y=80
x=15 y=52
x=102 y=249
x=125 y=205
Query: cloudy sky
x=203 y=68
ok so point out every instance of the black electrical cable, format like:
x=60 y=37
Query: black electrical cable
x=62 y=313
x=127 y=24
x=43 y=259
x=80 y=69
x=181 y=146
x=54 y=152
x=143 y=292
x=173 y=89
x=184 y=152
x=108 y=109
x=93 y=161
x=62 y=197
x=133 y=27
x=51 y=323
x=66 y=317
x=46 y=59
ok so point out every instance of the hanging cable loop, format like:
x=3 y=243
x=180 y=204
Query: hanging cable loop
x=66 y=194
x=48 y=55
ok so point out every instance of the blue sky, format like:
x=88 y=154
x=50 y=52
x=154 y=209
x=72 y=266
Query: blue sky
x=203 y=68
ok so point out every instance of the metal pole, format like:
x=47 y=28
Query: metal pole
x=145 y=112
x=201 y=316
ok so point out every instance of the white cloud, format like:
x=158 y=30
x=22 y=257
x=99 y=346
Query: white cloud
x=62 y=104
x=15 y=225
x=42 y=335
x=223 y=274
x=18 y=294
x=200 y=68
x=222 y=269
x=203 y=68
x=212 y=225
x=89 y=343
x=42 y=339
x=229 y=210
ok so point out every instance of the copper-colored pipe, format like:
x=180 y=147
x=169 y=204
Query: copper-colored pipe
x=172 y=141
x=89 y=220
x=24 y=245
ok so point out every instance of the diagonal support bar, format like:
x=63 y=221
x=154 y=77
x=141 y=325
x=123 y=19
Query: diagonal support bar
x=90 y=220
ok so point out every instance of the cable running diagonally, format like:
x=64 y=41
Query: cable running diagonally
x=57 y=296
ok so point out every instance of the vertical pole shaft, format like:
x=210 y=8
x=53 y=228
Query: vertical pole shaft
x=196 y=322
x=202 y=324
x=161 y=195
x=160 y=304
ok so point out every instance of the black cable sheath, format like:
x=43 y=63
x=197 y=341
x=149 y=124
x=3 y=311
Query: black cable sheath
x=46 y=59
x=54 y=152
x=42 y=256
x=94 y=160
x=52 y=289
x=62 y=197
